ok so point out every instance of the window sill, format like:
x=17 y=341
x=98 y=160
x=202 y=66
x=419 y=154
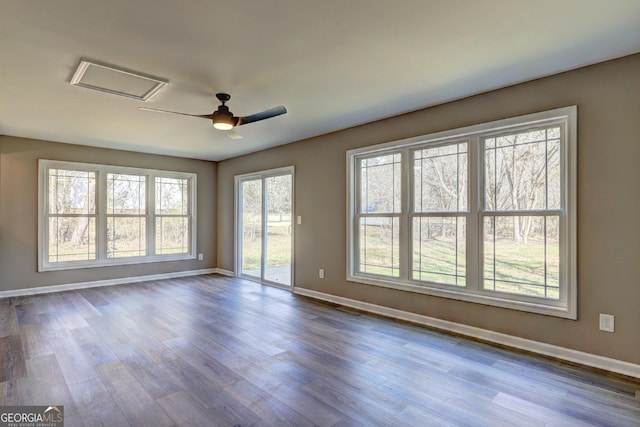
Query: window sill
x=532 y=306
x=112 y=263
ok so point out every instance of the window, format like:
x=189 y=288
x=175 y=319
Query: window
x=379 y=214
x=71 y=219
x=126 y=215
x=439 y=214
x=483 y=214
x=96 y=215
x=172 y=215
x=522 y=212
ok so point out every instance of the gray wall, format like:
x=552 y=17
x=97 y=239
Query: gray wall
x=608 y=99
x=19 y=211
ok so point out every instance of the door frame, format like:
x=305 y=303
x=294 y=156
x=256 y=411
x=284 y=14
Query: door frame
x=237 y=220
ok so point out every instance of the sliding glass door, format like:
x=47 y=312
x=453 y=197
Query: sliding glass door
x=264 y=218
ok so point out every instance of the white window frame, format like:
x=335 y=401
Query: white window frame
x=566 y=305
x=101 y=215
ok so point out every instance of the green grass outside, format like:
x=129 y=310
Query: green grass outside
x=436 y=261
x=278 y=245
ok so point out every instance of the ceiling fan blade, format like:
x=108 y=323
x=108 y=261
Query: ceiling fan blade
x=267 y=114
x=202 y=116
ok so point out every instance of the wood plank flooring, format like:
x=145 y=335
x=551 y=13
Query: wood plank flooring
x=216 y=351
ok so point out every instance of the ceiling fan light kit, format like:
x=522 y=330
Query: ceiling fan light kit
x=223 y=119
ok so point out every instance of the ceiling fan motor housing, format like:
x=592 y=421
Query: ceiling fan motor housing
x=222 y=118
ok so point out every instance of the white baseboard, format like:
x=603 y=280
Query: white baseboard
x=225 y=272
x=587 y=359
x=109 y=282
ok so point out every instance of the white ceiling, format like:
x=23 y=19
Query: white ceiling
x=333 y=63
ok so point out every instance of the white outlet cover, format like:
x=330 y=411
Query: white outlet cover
x=607 y=322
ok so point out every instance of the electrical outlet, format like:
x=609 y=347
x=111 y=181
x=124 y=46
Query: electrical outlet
x=200 y=257
x=607 y=322
x=321 y=273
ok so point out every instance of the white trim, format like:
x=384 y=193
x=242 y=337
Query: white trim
x=107 y=282
x=224 y=272
x=563 y=353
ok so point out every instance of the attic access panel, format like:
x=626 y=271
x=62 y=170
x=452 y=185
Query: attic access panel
x=117 y=81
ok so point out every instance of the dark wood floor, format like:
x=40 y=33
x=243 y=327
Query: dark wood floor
x=210 y=350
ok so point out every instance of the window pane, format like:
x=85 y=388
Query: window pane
x=126 y=194
x=172 y=235
x=553 y=174
x=72 y=192
x=279 y=229
x=522 y=171
x=72 y=239
x=252 y=227
x=380 y=246
x=126 y=237
x=440 y=179
x=172 y=196
x=522 y=255
x=380 y=184
x=439 y=253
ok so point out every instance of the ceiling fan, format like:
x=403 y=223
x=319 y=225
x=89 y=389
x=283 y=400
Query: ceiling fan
x=223 y=119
